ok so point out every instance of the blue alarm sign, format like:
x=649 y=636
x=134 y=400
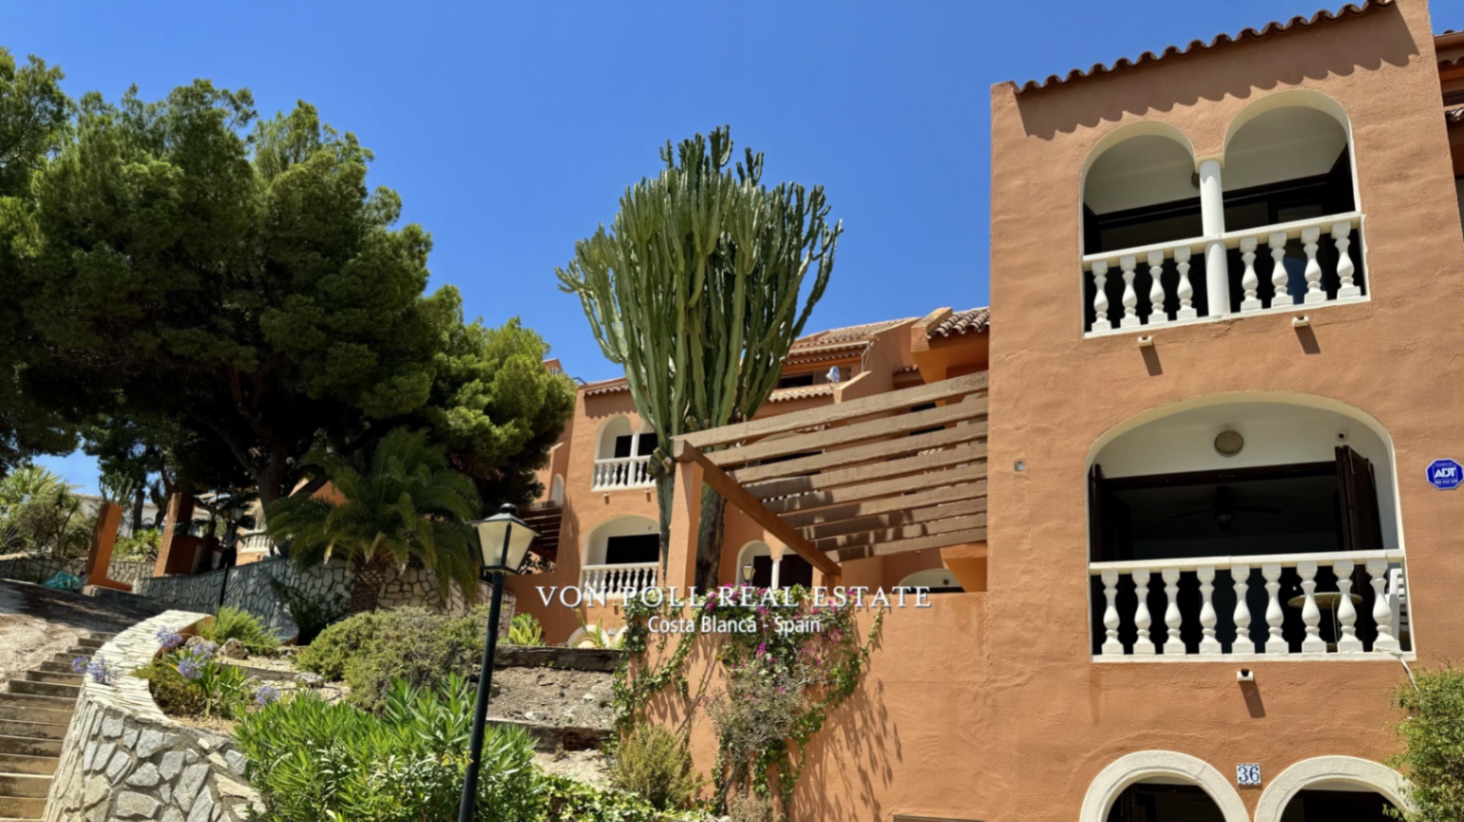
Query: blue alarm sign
x=1445 y=474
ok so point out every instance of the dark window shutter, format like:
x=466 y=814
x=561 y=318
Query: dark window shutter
x=646 y=444
x=622 y=446
x=1362 y=526
x=1095 y=514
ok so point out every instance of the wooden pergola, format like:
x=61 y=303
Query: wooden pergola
x=862 y=478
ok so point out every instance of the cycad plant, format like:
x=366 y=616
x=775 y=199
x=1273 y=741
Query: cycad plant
x=399 y=503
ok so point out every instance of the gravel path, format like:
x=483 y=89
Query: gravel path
x=37 y=622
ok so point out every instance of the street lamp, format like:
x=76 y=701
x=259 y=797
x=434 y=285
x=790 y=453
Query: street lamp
x=748 y=572
x=504 y=540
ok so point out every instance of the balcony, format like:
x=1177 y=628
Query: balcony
x=1278 y=268
x=619 y=578
x=1307 y=606
x=616 y=473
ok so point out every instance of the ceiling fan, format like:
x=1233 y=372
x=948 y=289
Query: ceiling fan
x=1224 y=508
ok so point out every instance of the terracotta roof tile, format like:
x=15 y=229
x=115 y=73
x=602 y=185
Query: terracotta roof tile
x=962 y=322
x=802 y=392
x=1199 y=45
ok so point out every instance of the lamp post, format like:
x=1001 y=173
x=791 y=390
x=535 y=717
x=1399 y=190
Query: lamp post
x=504 y=540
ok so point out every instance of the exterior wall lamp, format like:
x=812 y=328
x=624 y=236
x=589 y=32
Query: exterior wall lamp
x=747 y=574
x=504 y=541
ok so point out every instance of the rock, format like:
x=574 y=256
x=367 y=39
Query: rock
x=132 y=805
x=234 y=649
x=145 y=776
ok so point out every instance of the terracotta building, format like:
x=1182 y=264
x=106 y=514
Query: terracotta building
x=1212 y=434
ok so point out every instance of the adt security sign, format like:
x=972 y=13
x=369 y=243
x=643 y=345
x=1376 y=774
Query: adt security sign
x=1445 y=474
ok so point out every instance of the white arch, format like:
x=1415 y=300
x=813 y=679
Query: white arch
x=1300 y=98
x=1167 y=765
x=616 y=426
x=556 y=489
x=592 y=551
x=755 y=548
x=1331 y=773
x=1142 y=128
x=930 y=578
x=1393 y=509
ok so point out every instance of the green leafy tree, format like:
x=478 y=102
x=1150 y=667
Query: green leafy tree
x=1433 y=733
x=33 y=123
x=231 y=288
x=396 y=504
x=695 y=290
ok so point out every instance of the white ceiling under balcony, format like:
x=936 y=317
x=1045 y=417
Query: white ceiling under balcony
x=1141 y=171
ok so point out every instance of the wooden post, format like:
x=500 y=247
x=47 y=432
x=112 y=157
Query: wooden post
x=180 y=509
x=104 y=539
x=685 y=522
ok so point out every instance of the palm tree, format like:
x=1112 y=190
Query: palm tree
x=400 y=503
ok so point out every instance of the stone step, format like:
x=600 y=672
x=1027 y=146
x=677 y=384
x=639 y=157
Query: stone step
x=67 y=678
x=76 y=651
x=33 y=730
x=89 y=642
x=28 y=764
x=30 y=688
x=23 y=808
x=36 y=708
x=101 y=635
x=56 y=667
x=23 y=786
x=30 y=746
x=66 y=659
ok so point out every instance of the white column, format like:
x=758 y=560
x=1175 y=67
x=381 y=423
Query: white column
x=1347 y=643
x=1341 y=232
x=1249 y=282
x=1111 y=645
x=1310 y=613
x=1144 y=645
x=1240 y=584
x=1382 y=607
x=1157 y=314
x=1186 y=291
x=1314 y=292
x=1212 y=221
x=777 y=566
x=1280 y=277
x=1208 y=643
x=1172 y=617
x=1130 y=298
x=1275 y=643
x=1100 y=297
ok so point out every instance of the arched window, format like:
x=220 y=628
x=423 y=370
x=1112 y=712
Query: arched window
x=1247 y=524
x=622 y=554
x=1288 y=163
x=767 y=570
x=1333 y=787
x=1161 y=786
x=622 y=454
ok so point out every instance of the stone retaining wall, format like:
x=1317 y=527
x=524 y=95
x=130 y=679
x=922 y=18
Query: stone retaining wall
x=123 y=759
x=248 y=588
x=38 y=568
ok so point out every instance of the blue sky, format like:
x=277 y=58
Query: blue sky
x=510 y=129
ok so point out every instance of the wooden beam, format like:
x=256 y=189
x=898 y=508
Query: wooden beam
x=921 y=529
x=838 y=412
x=897 y=425
x=970 y=472
x=893 y=519
x=864 y=453
x=718 y=480
x=954 y=493
x=919 y=544
x=975 y=452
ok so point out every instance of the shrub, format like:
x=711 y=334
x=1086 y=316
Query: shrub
x=372 y=650
x=523 y=629
x=1433 y=734
x=311 y=615
x=312 y=760
x=142 y=545
x=654 y=763
x=751 y=808
x=234 y=623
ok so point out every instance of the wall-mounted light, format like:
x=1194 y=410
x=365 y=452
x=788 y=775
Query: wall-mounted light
x=1229 y=443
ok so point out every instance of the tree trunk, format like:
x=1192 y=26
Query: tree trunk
x=709 y=538
x=367 y=579
x=137 y=502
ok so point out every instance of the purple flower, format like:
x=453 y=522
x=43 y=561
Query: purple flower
x=169 y=638
x=204 y=651
x=266 y=695
x=190 y=667
x=100 y=672
x=78 y=664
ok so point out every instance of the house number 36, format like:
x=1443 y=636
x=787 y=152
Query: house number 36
x=1248 y=774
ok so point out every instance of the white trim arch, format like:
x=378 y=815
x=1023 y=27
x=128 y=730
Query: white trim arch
x=1162 y=765
x=931 y=578
x=1135 y=181
x=592 y=551
x=1331 y=773
x=1301 y=98
x=1390 y=508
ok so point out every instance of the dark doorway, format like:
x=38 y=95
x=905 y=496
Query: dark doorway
x=633 y=549
x=1149 y=802
x=794 y=570
x=1336 y=806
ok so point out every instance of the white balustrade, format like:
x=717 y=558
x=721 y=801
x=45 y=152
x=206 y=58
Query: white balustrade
x=254 y=542
x=619 y=578
x=622 y=472
x=1145 y=310
x=1319 y=596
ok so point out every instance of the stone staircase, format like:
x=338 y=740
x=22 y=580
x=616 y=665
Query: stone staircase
x=34 y=715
